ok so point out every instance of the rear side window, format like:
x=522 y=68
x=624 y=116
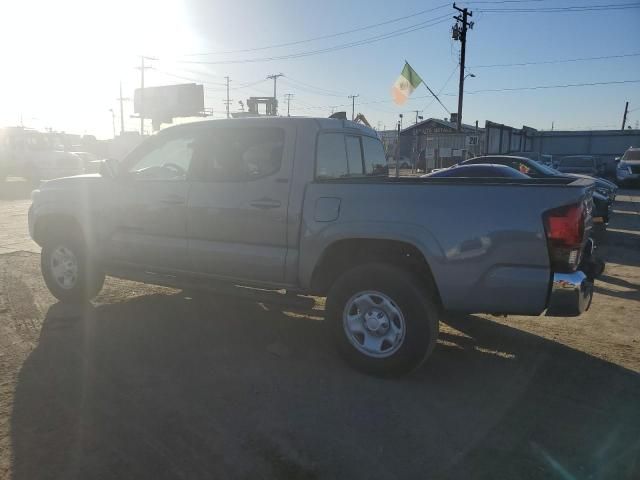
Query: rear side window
x=375 y=162
x=331 y=157
x=341 y=155
x=241 y=154
x=354 y=155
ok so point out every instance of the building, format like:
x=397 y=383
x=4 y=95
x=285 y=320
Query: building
x=604 y=144
x=436 y=143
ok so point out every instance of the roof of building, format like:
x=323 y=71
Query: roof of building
x=442 y=123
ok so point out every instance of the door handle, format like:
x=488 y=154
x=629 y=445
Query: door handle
x=173 y=200
x=265 y=203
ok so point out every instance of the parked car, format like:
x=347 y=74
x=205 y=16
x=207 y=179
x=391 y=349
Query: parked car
x=296 y=204
x=628 y=168
x=90 y=161
x=584 y=164
x=42 y=165
x=477 y=171
x=603 y=197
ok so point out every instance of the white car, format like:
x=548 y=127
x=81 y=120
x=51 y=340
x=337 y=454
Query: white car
x=628 y=168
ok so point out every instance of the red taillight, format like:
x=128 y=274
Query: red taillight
x=565 y=225
x=565 y=228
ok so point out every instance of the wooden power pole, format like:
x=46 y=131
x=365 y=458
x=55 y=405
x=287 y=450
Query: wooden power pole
x=460 y=33
x=624 y=117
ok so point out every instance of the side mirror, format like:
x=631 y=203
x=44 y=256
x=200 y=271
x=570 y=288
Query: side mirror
x=109 y=168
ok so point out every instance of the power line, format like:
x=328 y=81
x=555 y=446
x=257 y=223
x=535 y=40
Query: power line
x=206 y=82
x=322 y=37
x=403 y=31
x=498 y=90
x=543 y=87
x=190 y=79
x=442 y=88
x=320 y=90
x=575 y=8
x=566 y=60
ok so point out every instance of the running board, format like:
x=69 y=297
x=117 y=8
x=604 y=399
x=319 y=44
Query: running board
x=261 y=295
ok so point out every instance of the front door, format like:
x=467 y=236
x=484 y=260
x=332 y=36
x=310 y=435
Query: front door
x=152 y=190
x=238 y=202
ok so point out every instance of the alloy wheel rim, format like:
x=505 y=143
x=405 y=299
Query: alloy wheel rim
x=64 y=267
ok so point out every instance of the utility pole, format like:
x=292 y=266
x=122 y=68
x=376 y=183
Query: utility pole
x=274 y=77
x=113 y=121
x=624 y=117
x=142 y=68
x=460 y=33
x=288 y=96
x=227 y=102
x=418 y=112
x=353 y=106
x=121 y=99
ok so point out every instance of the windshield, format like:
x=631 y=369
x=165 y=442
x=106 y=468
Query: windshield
x=631 y=155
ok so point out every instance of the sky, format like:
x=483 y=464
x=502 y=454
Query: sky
x=62 y=61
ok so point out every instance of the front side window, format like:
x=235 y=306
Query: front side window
x=164 y=159
x=242 y=154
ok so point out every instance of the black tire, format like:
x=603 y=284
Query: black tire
x=415 y=300
x=89 y=278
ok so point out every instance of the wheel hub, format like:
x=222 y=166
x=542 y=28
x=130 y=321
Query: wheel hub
x=376 y=321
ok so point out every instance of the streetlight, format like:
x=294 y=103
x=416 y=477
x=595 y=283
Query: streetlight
x=469 y=75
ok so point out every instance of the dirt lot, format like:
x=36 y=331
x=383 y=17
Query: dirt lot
x=148 y=383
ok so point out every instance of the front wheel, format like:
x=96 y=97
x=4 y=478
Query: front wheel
x=384 y=319
x=69 y=273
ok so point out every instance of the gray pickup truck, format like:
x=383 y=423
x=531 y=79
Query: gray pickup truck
x=307 y=205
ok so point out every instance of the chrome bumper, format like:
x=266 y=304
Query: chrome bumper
x=571 y=294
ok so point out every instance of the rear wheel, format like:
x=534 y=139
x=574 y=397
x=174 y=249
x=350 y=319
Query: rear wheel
x=68 y=271
x=384 y=319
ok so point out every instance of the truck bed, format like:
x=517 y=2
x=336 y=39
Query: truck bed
x=484 y=239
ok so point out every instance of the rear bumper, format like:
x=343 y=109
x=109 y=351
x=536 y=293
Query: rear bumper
x=571 y=293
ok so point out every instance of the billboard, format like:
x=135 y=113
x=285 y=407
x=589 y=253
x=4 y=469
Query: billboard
x=169 y=101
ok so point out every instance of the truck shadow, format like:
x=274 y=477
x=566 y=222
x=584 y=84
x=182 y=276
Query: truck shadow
x=162 y=386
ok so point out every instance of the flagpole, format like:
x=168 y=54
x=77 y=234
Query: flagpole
x=435 y=96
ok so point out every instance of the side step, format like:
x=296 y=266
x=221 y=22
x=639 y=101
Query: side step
x=261 y=295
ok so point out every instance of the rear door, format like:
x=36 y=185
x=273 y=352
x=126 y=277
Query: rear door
x=237 y=215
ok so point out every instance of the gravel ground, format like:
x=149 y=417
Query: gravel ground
x=146 y=382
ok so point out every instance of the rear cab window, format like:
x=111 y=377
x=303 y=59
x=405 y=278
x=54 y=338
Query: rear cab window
x=240 y=154
x=342 y=155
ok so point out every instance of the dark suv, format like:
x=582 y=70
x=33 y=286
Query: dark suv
x=584 y=164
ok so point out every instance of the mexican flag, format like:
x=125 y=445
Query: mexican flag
x=406 y=83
